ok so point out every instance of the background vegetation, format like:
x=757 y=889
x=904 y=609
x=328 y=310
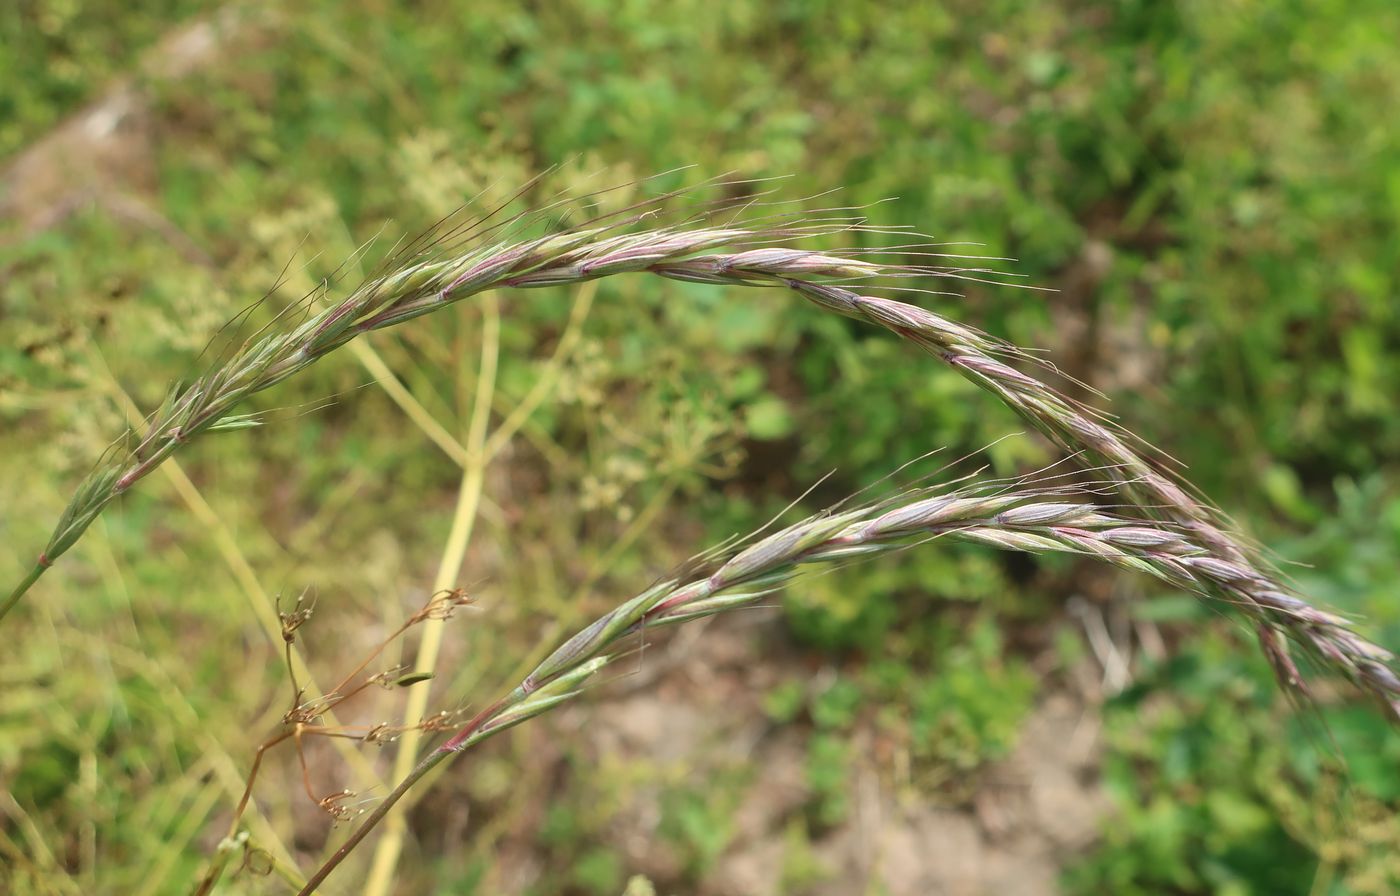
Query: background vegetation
x=1213 y=188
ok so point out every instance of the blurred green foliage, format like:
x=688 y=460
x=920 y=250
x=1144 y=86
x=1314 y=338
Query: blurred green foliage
x=56 y=53
x=1213 y=187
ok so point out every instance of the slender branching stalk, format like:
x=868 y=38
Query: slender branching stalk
x=307 y=718
x=450 y=565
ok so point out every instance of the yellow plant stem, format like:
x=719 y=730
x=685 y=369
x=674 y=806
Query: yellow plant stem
x=469 y=496
x=412 y=408
x=519 y=414
x=262 y=605
x=567 y=612
x=384 y=377
x=386 y=855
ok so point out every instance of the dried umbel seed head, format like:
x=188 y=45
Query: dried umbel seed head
x=383 y=733
x=295 y=619
x=306 y=713
x=441 y=720
x=443 y=604
x=334 y=805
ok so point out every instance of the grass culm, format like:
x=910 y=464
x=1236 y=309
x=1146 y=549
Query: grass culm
x=1132 y=512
